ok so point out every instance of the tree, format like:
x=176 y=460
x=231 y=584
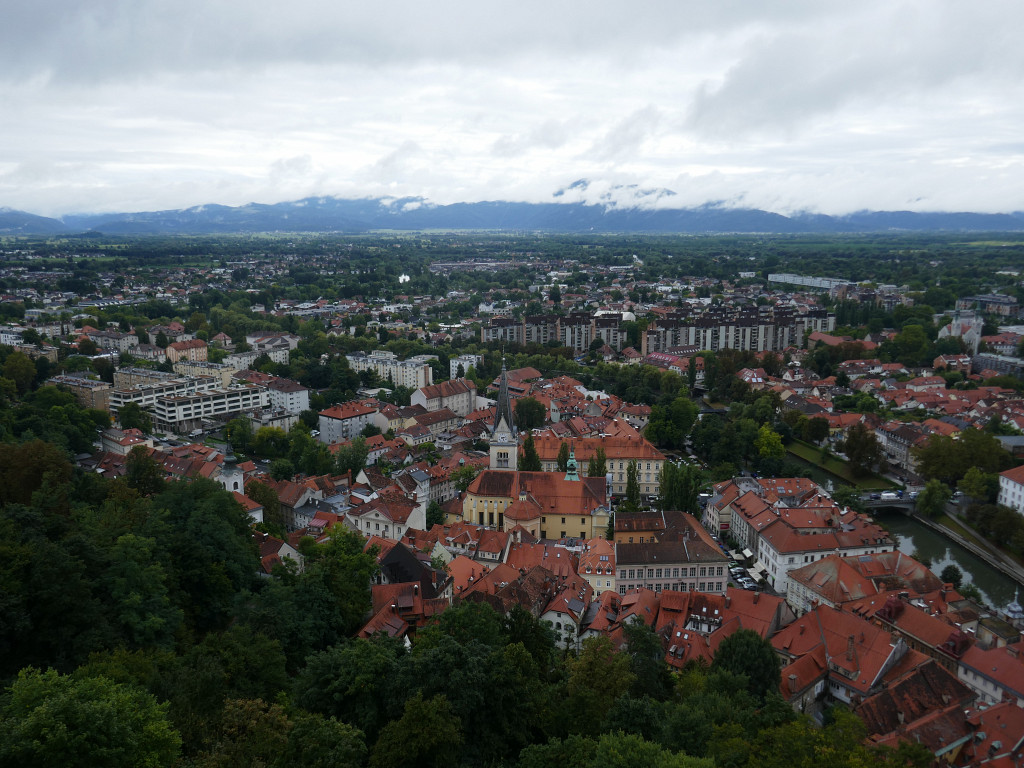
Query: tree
x=316 y=741
x=862 y=449
x=598 y=464
x=435 y=515
x=282 y=469
x=978 y=485
x=138 y=589
x=563 y=457
x=631 y=501
x=463 y=476
x=429 y=733
x=651 y=675
x=238 y=432
x=932 y=501
x=267 y=497
x=529 y=414
x=352 y=457
x=142 y=472
x=745 y=653
x=530 y=461
x=161 y=340
x=52 y=719
x=952 y=575
x=949 y=460
x=597 y=677
x=252 y=732
x=19 y=368
x=131 y=416
x=769 y=443
x=814 y=430
x=679 y=487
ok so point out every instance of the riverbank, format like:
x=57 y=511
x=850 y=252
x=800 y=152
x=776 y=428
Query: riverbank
x=836 y=467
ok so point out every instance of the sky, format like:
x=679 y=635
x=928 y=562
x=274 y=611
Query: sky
x=819 y=106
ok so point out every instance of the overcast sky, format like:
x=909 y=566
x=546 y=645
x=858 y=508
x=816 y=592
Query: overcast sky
x=819 y=105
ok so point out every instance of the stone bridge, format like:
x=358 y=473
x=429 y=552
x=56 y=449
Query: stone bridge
x=905 y=505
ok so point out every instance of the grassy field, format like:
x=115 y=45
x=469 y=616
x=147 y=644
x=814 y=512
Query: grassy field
x=834 y=466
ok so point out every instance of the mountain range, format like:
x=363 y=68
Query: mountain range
x=331 y=214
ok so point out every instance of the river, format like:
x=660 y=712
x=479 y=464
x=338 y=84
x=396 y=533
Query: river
x=996 y=589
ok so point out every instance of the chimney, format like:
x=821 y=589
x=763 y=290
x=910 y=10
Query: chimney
x=849 y=648
x=900 y=716
x=415 y=589
x=757 y=596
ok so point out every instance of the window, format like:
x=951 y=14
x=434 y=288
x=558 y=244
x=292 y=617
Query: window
x=675 y=573
x=657 y=573
x=622 y=573
x=632 y=573
x=650 y=573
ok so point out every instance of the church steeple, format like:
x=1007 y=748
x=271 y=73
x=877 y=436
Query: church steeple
x=504 y=435
x=504 y=409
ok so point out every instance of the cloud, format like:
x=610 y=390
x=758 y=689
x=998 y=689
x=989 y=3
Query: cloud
x=118 y=105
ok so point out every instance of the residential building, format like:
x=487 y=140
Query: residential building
x=90 y=393
x=194 y=349
x=467 y=362
x=1011 y=489
x=457 y=394
x=345 y=421
x=688 y=560
x=413 y=373
x=185 y=413
x=597 y=564
x=147 y=395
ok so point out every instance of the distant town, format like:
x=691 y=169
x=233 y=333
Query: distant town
x=577 y=449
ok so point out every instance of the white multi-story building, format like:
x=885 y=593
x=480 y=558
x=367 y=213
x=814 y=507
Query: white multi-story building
x=183 y=413
x=1011 y=489
x=11 y=335
x=288 y=395
x=459 y=395
x=347 y=420
x=467 y=362
x=412 y=373
x=148 y=395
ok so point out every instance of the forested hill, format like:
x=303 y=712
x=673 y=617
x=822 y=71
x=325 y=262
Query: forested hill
x=329 y=214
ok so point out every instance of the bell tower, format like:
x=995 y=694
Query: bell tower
x=504 y=435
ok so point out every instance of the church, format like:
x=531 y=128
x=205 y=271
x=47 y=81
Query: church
x=550 y=505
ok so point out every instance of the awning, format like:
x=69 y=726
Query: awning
x=747 y=553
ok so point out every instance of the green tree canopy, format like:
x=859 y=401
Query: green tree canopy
x=50 y=719
x=529 y=414
x=745 y=653
x=530 y=461
x=132 y=416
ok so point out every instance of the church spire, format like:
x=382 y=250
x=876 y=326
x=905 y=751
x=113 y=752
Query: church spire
x=504 y=409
